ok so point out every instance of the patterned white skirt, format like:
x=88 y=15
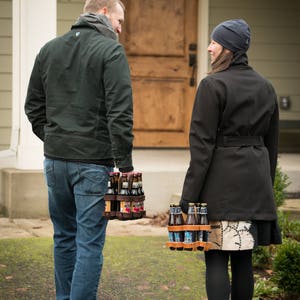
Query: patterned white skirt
x=232 y=235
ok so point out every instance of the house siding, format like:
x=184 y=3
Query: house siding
x=275 y=44
x=5 y=72
x=274 y=52
x=67 y=13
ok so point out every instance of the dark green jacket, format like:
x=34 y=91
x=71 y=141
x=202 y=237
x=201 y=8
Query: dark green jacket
x=79 y=98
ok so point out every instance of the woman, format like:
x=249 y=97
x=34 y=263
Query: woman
x=233 y=145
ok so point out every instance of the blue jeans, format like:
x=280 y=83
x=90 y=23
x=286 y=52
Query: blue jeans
x=76 y=204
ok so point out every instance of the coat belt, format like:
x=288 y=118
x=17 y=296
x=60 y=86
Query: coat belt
x=239 y=141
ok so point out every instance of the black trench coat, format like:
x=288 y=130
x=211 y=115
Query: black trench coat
x=234 y=179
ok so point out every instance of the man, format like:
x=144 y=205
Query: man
x=79 y=103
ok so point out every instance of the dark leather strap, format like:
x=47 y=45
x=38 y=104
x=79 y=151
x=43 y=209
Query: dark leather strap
x=239 y=141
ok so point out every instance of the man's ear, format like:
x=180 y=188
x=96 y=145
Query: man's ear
x=103 y=11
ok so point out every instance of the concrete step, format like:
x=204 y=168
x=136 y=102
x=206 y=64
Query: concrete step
x=290 y=165
x=292 y=206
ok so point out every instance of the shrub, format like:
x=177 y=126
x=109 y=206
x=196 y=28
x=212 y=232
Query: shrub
x=286 y=267
x=262 y=255
x=281 y=182
x=264 y=288
x=261 y=258
x=289 y=228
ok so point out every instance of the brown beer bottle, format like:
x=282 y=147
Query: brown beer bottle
x=136 y=201
x=189 y=235
x=135 y=185
x=124 y=199
x=178 y=235
x=142 y=194
x=109 y=208
x=124 y=187
x=140 y=181
x=199 y=234
x=110 y=185
x=204 y=220
x=171 y=223
x=116 y=182
x=116 y=189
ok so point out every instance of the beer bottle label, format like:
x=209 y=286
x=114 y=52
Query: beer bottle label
x=107 y=206
x=177 y=236
x=136 y=206
x=205 y=236
x=135 y=185
x=171 y=236
x=189 y=237
x=142 y=206
x=125 y=207
x=200 y=236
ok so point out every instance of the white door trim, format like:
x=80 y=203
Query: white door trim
x=203 y=40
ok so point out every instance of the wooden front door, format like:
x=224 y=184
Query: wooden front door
x=160 y=41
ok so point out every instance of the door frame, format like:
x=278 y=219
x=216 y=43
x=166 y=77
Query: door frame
x=202 y=39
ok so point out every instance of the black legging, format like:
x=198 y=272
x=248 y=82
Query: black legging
x=217 y=278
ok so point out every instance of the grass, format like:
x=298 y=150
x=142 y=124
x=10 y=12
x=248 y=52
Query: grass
x=134 y=268
x=26 y=269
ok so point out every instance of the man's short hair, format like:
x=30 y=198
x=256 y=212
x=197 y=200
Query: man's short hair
x=94 y=6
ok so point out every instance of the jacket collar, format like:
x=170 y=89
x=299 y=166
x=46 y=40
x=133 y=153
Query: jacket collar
x=98 y=22
x=239 y=58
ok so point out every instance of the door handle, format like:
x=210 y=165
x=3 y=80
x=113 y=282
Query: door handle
x=193 y=64
x=192 y=60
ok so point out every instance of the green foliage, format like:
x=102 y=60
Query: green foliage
x=261 y=258
x=287 y=267
x=264 y=287
x=280 y=184
x=289 y=228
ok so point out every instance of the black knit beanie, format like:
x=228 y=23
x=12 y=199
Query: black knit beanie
x=233 y=35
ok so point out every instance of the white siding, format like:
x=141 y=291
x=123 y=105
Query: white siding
x=5 y=72
x=274 y=52
x=67 y=13
x=275 y=45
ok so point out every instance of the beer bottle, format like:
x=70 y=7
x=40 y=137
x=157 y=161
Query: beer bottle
x=124 y=198
x=124 y=191
x=178 y=235
x=199 y=233
x=111 y=192
x=203 y=234
x=136 y=201
x=204 y=220
x=108 y=198
x=171 y=223
x=116 y=189
x=197 y=212
x=110 y=185
x=141 y=193
x=189 y=235
x=116 y=182
x=135 y=185
x=140 y=181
